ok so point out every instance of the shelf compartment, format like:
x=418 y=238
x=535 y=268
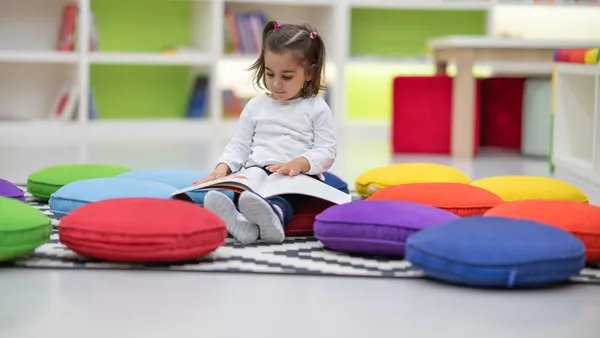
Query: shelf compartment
x=30 y=25
x=574 y=104
x=29 y=91
x=318 y=13
x=143 y=91
x=141 y=26
x=375 y=32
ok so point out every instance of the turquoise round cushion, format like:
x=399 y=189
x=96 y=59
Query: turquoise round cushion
x=176 y=177
x=496 y=252
x=76 y=194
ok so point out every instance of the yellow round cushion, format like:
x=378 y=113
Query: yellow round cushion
x=402 y=173
x=518 y=188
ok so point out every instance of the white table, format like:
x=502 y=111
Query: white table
x=464 y=52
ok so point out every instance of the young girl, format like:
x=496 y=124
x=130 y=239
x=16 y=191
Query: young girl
x=288 y=130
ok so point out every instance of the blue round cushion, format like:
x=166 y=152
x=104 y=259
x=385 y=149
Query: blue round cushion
x=73 y=195
x=336 y=182
x=176 y=177
x=496 y=252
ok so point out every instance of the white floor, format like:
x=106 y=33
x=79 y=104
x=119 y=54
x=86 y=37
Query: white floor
x=90 y=304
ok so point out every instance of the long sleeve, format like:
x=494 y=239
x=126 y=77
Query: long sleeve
x=237 y=150
x=324 y=149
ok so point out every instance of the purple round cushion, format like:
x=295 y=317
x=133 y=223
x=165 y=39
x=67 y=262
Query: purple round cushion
x=7 y=189
x=375 y=227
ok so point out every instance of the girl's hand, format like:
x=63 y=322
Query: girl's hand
x=221 y=170
x=291 y=168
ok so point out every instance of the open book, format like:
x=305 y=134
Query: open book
x=257 y=180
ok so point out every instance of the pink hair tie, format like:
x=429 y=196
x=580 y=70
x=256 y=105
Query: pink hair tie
x=313 y=35
x=277 y=25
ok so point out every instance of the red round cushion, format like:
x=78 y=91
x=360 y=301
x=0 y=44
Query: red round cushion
x=460 y=199
x=142 y=230
x=580 y=219
x=304 y=220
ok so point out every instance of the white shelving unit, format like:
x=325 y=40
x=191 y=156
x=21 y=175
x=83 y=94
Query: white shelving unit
x=576 y=138
x=31 y=71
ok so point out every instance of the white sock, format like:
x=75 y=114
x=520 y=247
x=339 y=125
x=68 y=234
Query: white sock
x=237 y=225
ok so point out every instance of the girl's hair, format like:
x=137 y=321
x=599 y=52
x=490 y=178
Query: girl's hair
x=303 y=42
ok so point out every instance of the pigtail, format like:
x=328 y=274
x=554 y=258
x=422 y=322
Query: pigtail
x=318 y=55
x=269 y=27
x=258 y=67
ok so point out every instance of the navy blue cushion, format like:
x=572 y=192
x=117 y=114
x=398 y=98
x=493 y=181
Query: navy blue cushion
x=496 y=252
x=76 y=194
x=336 y=182
x=177 y=177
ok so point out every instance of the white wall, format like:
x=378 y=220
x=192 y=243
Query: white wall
x=548 y=22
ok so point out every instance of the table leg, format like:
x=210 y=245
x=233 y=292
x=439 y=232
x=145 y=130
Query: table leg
x=463 y=107
x=440 y=65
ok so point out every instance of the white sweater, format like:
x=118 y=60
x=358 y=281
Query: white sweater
x=276 y=132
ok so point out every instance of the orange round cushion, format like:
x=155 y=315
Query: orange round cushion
x=460 y=199
x=142 y=230
x=580 y=219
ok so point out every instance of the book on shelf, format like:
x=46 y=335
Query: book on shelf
x=243 y=31
x=66 y=104
x=234 y=103
x=198 y=101
x=67 y=35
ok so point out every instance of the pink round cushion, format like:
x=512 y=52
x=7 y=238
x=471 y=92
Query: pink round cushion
x=142 y=230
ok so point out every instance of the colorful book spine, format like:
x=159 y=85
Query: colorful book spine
x=243 y=32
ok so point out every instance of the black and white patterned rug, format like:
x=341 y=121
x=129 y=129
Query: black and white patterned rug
x=296 y=255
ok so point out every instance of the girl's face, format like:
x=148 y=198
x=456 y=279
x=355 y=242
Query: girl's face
x=284 y=75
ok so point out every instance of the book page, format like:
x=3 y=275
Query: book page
x=279 y=184
x=245 y=179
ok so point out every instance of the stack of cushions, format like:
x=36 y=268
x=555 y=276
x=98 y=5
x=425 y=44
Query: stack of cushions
x=378 y=178
x=44 y=182
x=516 y=188
x=458 y=198
x=175 y=177
x=23 y=228
x=7 y=189
x=580 y=219
x=76 y=194
x=375 y=227
x=304 y=218
x=496 y=252
x=142 y=230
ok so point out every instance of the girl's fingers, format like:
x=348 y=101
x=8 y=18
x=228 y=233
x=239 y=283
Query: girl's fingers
x=206 y=179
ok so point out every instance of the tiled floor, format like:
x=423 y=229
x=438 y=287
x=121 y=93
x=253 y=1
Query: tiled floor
x=90 y=304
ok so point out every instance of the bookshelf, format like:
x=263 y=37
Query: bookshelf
x=138 y=81
x=576 y=124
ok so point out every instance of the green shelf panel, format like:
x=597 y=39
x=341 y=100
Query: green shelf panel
x=142 y=25
x=127 y=92
x=385 y=32
x=136 y=91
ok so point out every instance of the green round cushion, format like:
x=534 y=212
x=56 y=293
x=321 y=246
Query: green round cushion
x=22 y=228
x=44 y=182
